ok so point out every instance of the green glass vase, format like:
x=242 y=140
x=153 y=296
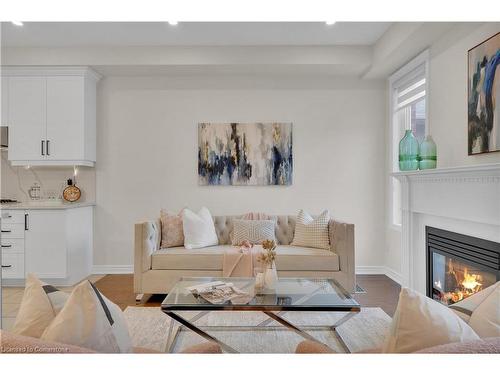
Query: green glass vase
x=408 y=152
x=427 y=154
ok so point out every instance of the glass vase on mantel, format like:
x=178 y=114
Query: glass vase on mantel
x=428 y=153
x=408 y=152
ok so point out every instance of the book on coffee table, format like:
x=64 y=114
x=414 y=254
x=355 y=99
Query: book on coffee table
x=219 y=292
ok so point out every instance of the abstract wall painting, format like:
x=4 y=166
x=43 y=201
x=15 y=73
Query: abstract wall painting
x=245 y=153
x=484 y=96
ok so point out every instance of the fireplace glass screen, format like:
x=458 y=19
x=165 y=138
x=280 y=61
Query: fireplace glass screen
x=454 y=280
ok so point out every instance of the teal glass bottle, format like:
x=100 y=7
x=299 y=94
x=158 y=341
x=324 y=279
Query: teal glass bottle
x=408 y=152
x=428 y=153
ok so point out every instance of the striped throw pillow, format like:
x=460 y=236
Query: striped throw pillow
x=40 y=304
x=90 y=320
x=312 y=232
x=254 y=231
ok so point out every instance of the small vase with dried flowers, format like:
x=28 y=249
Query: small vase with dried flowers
x=267 y=258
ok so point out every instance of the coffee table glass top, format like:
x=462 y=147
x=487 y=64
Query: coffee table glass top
x=289 y=294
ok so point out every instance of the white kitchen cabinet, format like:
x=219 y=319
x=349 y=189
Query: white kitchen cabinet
x=4 y=109
x=27 y=116
x=52 y=116
x=54 y=244
x=45 y=244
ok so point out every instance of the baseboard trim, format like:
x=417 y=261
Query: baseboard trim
x=104 y=269
x=395 y=276
x=370 y=270
x=379 y=270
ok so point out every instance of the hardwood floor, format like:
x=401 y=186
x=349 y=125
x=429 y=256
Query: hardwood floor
x=381 y=292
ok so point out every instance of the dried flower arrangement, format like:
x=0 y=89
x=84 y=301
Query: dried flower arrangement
x=269 y=254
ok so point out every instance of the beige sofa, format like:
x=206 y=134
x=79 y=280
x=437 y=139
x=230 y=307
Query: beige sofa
x=157 y=270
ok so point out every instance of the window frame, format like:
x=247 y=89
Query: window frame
x=421 y=59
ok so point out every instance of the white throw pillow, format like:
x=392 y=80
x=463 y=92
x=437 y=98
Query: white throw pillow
x=420 y=322
x=482 y=311
x=199 y=229
x=40 y=305
x=254 y=231
x=90 y=320
x=312 y=232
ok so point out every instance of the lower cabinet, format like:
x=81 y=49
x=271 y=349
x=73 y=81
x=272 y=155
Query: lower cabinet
x=45 y=244
x=54 y=244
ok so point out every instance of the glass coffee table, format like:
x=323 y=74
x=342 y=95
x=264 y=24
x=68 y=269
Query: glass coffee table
x=289 y=294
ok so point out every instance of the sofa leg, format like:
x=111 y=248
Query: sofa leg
x=141 y=298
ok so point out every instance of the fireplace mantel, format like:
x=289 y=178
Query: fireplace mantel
x=461 y=199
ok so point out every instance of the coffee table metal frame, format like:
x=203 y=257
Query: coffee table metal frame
x=275 y=313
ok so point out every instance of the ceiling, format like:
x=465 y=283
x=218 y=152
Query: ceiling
x=76 y=34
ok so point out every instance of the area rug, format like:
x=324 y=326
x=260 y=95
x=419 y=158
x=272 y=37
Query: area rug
x=149 y=328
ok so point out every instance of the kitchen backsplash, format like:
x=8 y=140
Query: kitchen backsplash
x=16 y=181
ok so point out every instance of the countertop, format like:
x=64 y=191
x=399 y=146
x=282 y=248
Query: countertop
x=44 y=205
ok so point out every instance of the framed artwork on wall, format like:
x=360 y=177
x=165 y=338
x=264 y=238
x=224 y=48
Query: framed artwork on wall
x=245 y=153
x=484 y=96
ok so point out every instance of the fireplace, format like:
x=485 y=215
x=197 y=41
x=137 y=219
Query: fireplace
x=459 y=265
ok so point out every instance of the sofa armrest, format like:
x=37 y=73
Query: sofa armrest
x=147 y=237
x=342 y=243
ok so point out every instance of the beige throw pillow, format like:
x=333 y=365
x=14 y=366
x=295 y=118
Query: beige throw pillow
x=90 y=320
x=40 y=305
x=312 y=232
x=420 y=322
x=172 y=234
x=482 y=311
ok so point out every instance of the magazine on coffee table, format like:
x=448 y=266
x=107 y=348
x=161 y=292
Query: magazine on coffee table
x=219 y=292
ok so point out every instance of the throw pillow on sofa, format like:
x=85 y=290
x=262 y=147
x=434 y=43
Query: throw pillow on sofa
x=254 y=231
x=40 y=305
x=312 y=232
x=90 y=320
x=199 y=229
x=481 y=311
x=172 y=233
x=420 y=322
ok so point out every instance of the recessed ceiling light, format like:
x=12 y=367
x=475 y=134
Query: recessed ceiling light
x=172 y=23
x=329 y=23
x=17 y=23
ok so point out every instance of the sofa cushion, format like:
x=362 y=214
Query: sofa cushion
x=296 y=258
x=288 y=258
x=180 y=258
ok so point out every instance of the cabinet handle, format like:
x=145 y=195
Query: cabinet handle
x=26 y=227
x=8 y=216
x=10 y=265
x=6 y=245
x=6 y=231
x=47 y=148
x=43 y=148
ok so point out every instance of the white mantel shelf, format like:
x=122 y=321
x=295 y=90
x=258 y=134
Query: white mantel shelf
x=450 y=170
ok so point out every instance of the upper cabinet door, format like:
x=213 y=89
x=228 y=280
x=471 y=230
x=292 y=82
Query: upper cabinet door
x=65 y=118
x=4 y=121
x=27 y=115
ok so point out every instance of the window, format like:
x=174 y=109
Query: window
x=408 y=91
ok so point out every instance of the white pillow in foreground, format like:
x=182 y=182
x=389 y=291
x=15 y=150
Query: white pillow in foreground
x=40 y=305
x=90 y=320
x=199 y=229
x=420 y=322
x=482 y=311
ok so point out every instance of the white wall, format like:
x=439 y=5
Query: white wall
x=448 y=94
x=147 y=157
x=447 y=100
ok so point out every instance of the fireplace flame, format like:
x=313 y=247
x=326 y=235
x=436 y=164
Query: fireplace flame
x=470 y=281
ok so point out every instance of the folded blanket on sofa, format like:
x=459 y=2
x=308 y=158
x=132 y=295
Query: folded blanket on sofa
x=239 y=263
